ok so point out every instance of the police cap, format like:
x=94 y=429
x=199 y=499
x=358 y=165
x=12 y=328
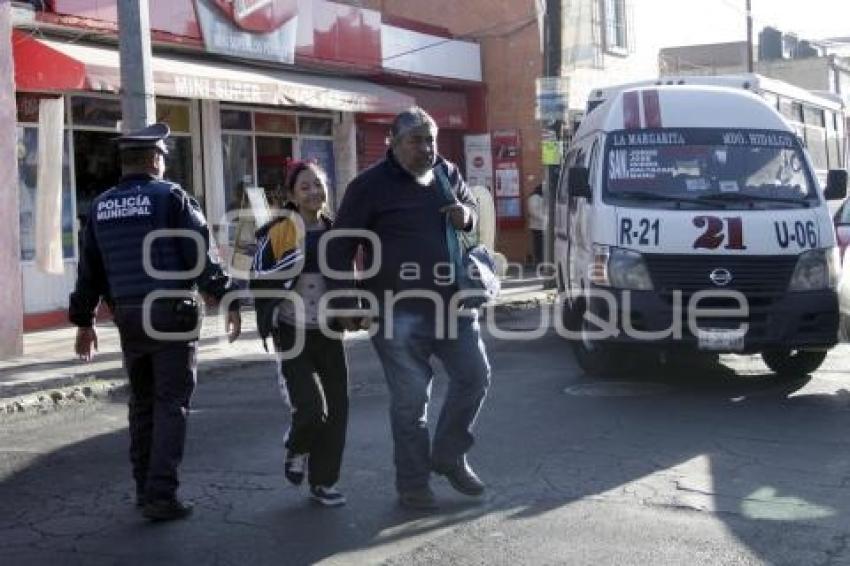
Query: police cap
x=152 y=137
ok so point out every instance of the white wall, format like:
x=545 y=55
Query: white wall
x=423 y=54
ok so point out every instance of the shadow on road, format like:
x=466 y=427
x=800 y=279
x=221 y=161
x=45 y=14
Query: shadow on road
x=766 y=460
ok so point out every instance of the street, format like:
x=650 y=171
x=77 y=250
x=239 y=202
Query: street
x=695 y=465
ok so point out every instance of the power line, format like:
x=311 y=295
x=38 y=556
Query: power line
x=481 y=33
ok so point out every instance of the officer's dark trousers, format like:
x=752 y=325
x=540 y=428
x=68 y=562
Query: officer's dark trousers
x=162 y=377
x=316 y=383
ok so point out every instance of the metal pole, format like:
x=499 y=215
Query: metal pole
x=134 y=39
x=749 y=36
x=552 y=68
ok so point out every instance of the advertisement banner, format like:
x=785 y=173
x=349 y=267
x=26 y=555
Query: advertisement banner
x=252 y=29
x=479 y=160
x=506 y=161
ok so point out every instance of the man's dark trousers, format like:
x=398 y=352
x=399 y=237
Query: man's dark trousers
x=162 y=378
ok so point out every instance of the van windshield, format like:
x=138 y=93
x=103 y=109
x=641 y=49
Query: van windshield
x=725 y=167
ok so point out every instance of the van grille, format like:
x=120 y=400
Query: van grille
x=756 y=276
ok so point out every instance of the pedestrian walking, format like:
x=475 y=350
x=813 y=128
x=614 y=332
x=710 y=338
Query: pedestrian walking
x=402 y=200
x=313 y=378
x=127 y=262
x=537 y=222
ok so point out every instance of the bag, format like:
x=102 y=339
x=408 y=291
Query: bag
x=474 y=262
x=479 y=274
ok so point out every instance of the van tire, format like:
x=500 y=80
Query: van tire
x=793 y=363
x=594 y=357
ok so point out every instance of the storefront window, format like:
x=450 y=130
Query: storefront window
x=235 y=120
x=238 y=159
x=96 y=112
x=274 y=123
x=178 y=163
x=96 y=165
x=273 y=155
x=27 y=106
x=28 y=186
x=175 y=115
x=312 y=126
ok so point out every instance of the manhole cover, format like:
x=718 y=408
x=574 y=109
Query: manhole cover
x=616 y=389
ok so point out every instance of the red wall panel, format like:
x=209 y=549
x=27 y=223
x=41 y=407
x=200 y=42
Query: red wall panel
x=170 y=16
x=340 y=34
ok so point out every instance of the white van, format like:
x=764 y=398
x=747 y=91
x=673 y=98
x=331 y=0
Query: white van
x=689 y=217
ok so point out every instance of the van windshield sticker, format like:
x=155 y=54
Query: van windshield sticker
x=758 y=139
x=703 y=136
x=634 y=164
x=690 y=163
x=649 y=138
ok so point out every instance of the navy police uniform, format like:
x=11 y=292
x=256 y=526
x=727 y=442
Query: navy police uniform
x=162 y=372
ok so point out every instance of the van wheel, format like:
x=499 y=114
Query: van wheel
x=595 y=357
x=793 y=363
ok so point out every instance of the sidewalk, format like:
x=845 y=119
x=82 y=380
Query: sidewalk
x=49 y=375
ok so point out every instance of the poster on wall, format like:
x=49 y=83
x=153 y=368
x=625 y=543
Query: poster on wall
x=507 y=182
x=506 y=161
x=479 y=160
x=252 y=29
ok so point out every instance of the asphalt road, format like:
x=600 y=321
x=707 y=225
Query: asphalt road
x=696 y=465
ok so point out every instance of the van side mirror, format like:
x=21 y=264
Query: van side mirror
x=836 y=184
x=578 y=182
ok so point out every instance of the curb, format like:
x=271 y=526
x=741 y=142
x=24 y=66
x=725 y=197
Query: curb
x=61 y=392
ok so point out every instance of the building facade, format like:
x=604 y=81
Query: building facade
x=245 y=87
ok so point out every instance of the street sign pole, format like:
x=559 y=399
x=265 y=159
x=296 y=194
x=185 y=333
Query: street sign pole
x=134 y=39
x=552 y=68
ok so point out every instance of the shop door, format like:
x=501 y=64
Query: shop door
x=273 y=155
x=450 y=146
x=371 y=144
x=96 y=165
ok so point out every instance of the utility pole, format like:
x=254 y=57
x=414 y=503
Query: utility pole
x=134 y=40
x=552 y=68
x=749 y=36
x=11 y=300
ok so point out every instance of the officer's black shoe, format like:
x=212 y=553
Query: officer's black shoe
x=461 y=477
x=166 y=510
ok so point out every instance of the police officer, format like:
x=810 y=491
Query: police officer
x=158 y=333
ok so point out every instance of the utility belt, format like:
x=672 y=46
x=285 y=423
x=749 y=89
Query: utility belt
x=167 y=314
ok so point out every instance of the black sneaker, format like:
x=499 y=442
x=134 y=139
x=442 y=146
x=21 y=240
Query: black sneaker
x=462 y=478
x=166 y=510
x=420 y=499
x=294 y=467
x=329 y=496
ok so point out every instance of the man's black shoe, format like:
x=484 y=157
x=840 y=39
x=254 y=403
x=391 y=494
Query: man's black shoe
x=461 y=477
x=166 y=510
x=420 y=499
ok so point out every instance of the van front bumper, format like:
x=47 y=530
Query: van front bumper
x=799 y=320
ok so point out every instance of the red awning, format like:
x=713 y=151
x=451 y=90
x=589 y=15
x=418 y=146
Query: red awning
x=53 y=65
x=448 y=108
x=40 y=68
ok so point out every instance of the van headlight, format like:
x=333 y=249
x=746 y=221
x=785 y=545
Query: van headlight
x=619 y=268
x=815 y=270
